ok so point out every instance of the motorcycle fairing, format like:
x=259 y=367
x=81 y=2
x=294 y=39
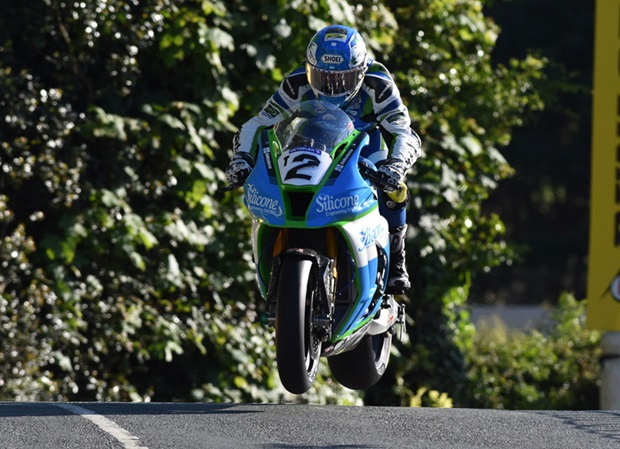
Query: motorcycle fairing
x=262 y=195
x=365 y=236
x=341 y=199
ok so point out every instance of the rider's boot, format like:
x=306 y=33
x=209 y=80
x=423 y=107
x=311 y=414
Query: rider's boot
x=398 y=279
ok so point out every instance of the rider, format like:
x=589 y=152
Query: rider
x=337 y=69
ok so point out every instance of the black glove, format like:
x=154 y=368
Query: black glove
x=393 y=173
x=239 y=168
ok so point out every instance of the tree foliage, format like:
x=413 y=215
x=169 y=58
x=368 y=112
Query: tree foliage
x=546 y=207
x=465 y=108
x=125 y=276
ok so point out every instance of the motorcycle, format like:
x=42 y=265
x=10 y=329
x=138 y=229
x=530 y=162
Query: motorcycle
x=321 y=249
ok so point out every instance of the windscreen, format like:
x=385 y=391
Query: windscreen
x=315 y=125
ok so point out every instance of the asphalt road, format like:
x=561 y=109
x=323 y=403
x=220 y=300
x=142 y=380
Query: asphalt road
x=221 y=426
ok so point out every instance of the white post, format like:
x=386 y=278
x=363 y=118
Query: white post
x=610 y=372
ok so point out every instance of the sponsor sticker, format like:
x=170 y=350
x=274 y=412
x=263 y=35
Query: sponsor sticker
x=267 y=155
x=332 y=59
x=335 y=205
x=369 y=235
x=261 y=205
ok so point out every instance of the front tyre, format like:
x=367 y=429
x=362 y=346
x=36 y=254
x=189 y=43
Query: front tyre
x=363 y=366
x=297 y=348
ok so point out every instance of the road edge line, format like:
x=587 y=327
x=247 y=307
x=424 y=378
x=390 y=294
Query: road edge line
x=128 y=440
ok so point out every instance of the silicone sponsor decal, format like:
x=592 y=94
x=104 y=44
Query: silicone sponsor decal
x=334 y=205
x=369 y=235
x=262 y=205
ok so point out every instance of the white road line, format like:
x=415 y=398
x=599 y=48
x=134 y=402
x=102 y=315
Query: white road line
x=128 y=440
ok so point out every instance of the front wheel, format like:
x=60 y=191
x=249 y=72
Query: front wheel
x=363 y=366
x=297 y=348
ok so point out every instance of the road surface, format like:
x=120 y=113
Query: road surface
x=222 y=426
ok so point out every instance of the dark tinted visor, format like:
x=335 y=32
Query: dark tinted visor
x=332 y=83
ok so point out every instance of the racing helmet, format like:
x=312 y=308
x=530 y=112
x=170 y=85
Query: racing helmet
x=336 y=61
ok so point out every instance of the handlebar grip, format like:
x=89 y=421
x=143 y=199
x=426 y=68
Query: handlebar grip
x=368 y=171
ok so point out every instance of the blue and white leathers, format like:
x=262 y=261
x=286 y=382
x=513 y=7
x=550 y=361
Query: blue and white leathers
x=376 y=108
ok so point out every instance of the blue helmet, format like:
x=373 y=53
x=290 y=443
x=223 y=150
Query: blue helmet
x=336 y=61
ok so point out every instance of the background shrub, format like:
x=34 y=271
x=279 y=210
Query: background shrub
x=555 y=368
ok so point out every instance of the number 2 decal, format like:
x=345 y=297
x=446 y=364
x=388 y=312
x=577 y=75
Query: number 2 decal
x=303 y=166
x=298 y=163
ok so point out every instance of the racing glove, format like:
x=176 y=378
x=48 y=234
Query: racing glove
x=393 y=173
x=239 y=168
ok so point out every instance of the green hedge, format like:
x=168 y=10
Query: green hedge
x=556 y=367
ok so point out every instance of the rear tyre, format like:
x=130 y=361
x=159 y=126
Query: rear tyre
x=297 y=349
x=363 y=366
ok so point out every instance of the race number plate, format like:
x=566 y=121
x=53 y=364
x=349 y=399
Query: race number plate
x=303 y=166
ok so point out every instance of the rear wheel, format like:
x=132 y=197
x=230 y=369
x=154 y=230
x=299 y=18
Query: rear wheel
x=363 y=366
x=298 y=350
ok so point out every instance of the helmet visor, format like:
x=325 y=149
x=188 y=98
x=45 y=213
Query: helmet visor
x=332 y=82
